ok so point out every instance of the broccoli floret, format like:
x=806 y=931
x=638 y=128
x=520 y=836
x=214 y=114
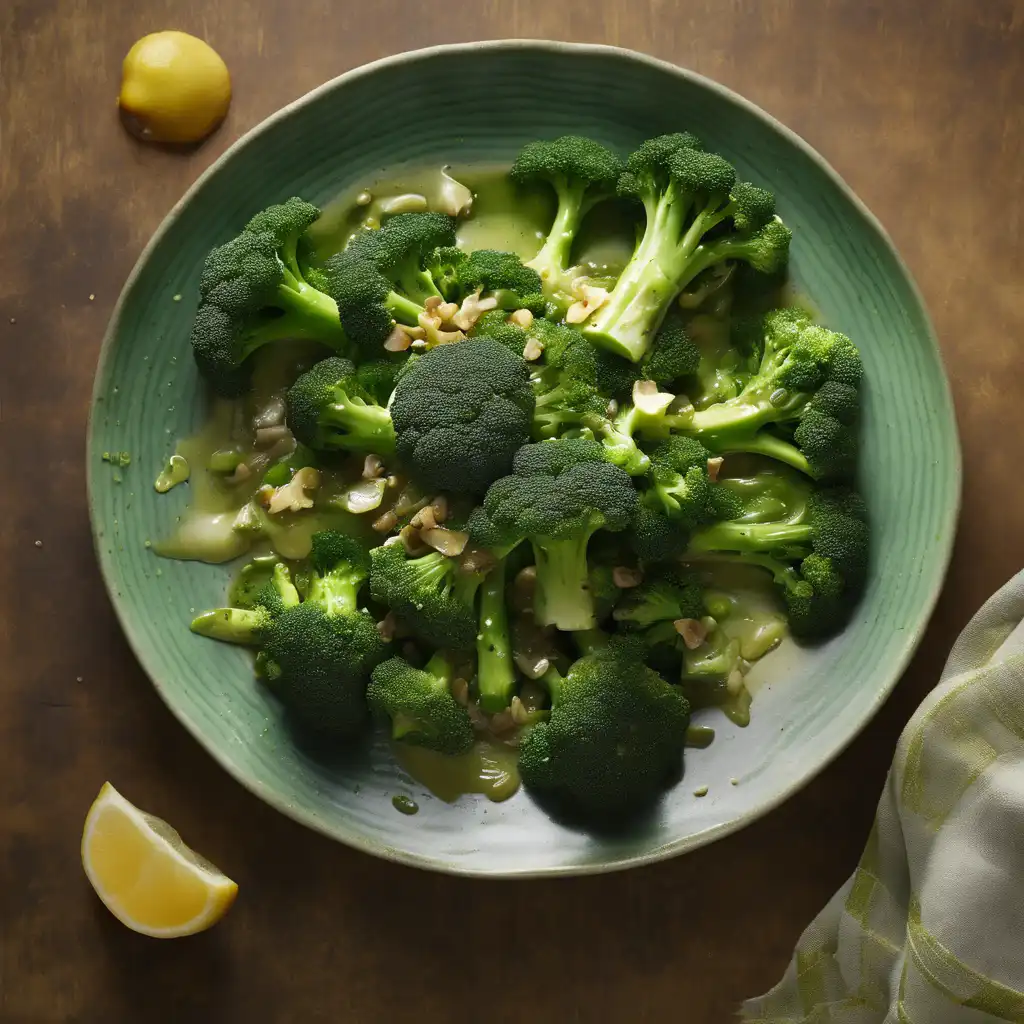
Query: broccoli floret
x=316 y=654
x=420 y=704
x=328 y=410
x=495 y=669
x=431 y=594
x=253 y=291
x=665 y=595
x=460 y=413
x=654 y=537
x=502 y=276
x=401 y=248
x=687 y=194
x=808 y=379
x=564 y=379
x=817 y=558
x=582 y=172
x=614 y=738
x=560 y=493
x=378 y=377
x=672 y=354
x=379 y=279
x=680 y=487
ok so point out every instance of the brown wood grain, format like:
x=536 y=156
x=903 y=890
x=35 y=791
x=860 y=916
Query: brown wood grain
x=918 y=106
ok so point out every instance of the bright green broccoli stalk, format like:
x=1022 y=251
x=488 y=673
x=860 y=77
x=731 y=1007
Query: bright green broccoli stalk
x=328 y=409
x=316 y=654
x=614 y=739
x=379 y=280
x=254 y=290
x=559 y=495
x=582 y=172
x=818 y=558
x=420 y=705
x=460 y=413
x=807 y=382
x=687 y=194
x=495 y=669
x=431 y=595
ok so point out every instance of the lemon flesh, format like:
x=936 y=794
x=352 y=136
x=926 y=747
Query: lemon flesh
x=145 y=875
x=174 y=88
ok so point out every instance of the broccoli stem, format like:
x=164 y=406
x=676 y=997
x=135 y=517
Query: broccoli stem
x=309 y=309
x=232 y=625
x=763 y=444
x=622 y=449
x=337 y=592
x=563 y=598
x=590 y=640
x=496 y=677
x=366 y=428
x=756 y=537
x=783 y=575
x=553 y=259
x=404 y=310
x=665 y=262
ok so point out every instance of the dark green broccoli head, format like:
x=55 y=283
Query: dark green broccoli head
x=504 y=273
x=287 y=221
x=666 y=594
x=570 y=158
x=360 y=291
x=614 y=738
x=654 y=537
x=560 y=494
x=649 y=167
x=377 y=377
x=404 y=243
x=420 y=705
x=444 y=265
x=253 y=292
x=680 y=485
x=328 y=409
x=702 y=175
x=318 y=665
x=752 y=207
x=460 y=414
x=333 y=551
x=672 y=354
x=431 y=594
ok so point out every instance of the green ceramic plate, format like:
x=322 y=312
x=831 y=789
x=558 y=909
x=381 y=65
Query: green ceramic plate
x=386 y=114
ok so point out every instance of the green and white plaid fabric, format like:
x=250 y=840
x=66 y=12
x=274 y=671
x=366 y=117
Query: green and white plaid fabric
x=930 y=928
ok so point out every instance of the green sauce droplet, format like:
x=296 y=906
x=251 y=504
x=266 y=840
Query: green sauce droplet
x=175 y=472
x=404 y=805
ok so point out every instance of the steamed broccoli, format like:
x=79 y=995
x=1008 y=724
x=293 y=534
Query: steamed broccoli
x=328 y=408
x=817 y=558
x=614 y=738
x=420 y=704
x=495 y=671
x=316 y=654
x=431 y=595
x=254 y=290
x=665 y=595
x=808 y=379
x=379 y=279
x=687 y=194
x=582 y=173
x=680 y=487
x=560 y=494
x=460 y=413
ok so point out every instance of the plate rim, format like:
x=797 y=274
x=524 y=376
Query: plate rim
x=943 y=549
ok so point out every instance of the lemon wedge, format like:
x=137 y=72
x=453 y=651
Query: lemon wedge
x=174 y=88
x=145 y=875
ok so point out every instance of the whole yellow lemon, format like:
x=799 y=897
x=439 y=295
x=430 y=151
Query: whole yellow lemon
x=174 y=88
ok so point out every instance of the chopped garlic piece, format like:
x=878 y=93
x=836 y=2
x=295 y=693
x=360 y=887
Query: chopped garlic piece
x=648 y=399
x=292 y=496
x=455 y=198
x=472 y=308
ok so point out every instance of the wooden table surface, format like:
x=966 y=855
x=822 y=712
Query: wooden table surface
x=917 y=104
